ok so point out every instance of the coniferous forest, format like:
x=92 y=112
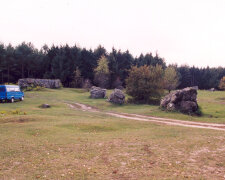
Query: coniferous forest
x=61 y=62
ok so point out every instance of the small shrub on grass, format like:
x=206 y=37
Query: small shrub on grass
x=3 y=112
x=13 y=112
x=199 y=111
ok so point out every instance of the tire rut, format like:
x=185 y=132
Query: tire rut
x=157 y=120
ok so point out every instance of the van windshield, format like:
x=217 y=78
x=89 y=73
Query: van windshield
x=13 y=89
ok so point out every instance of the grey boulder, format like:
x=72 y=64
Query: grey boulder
x=45 y=106
x=184 y=100
x=97 y=92
x=212 y=89
x=47 y=83
x=117 y=97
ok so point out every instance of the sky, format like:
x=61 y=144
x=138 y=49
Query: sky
x=188 y=32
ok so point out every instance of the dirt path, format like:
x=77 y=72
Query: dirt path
x=137 y=117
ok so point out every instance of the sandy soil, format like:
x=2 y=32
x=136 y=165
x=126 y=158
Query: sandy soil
x=138 y=117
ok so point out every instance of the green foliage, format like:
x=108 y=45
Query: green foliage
x=102 y=67
x=59 y=62
x=171 y=79
x=145 y=83
x=186 y=77
x=149 y=60
x=199 y=111
x=33 y=88
x=222 y=83
x=78 y=79
x=204 y=78
x=119 y=65
x=10 y=84
x=102 y=73
x=12 y=112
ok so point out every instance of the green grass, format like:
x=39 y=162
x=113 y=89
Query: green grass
x=63 y=143
x=211 y=103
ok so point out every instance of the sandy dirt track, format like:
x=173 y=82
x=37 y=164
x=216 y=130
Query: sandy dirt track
x=158 y=120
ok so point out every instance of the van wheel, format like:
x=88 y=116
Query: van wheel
x=22 y=98
x=12 y=100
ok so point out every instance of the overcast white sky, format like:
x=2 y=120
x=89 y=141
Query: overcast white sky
x=182 y=31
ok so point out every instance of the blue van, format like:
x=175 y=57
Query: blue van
x=10 y=93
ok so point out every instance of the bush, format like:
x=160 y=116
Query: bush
x=199 y=111
x=145 y=83
x=13 y=112
x=33 y=88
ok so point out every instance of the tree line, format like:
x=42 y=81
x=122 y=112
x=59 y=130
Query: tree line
x=66 y=62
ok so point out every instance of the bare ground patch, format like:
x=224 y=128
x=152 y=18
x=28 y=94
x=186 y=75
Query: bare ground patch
x=22 y=119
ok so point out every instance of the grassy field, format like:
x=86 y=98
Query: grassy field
x=63 y=143
x=212 y=104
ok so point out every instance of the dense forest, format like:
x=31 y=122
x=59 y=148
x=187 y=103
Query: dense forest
x=25 y=61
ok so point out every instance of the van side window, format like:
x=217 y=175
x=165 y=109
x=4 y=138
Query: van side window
x=17 y=89
x=13 y=89
x=10 y=89
x=2 y=89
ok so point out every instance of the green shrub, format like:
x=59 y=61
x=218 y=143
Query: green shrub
x=199 y=111
x=145 y=84
x=13 y=112
x=33 y=88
